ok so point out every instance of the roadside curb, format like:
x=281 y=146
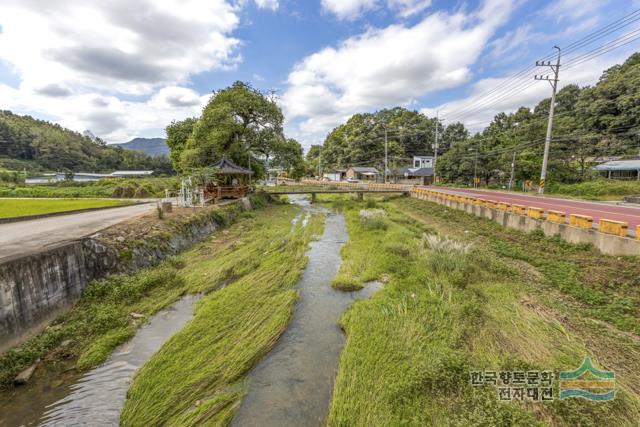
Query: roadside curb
x=54 y=214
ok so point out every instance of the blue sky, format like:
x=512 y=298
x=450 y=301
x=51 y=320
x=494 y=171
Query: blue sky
x=127 y=68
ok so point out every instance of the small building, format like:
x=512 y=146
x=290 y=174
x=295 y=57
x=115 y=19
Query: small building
x=620 y=169
x=362 y=173
x=412 y=176
x=423 y=161
x=230 y=181
x=335 y=175
x=52 y=178
x=130 y=174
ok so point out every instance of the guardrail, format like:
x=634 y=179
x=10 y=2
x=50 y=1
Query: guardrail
x=584 y=222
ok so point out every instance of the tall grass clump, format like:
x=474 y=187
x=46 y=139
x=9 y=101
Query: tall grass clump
x=198 y=376
x=447 y=309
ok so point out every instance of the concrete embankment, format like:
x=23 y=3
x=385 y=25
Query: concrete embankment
x=36 y=288
x=609 y=244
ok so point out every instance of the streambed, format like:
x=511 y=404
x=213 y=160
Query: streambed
x=97 y=397
x=292 y=385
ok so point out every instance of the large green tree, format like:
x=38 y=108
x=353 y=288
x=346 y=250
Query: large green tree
x=240 y=123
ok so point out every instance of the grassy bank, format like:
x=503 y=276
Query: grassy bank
x=601 y=189
x=198 y=377
x=101 y=319
x=464 y=294
x=118 y=188
x=11 y=208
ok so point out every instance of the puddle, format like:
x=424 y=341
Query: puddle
x=292 y=385
x=96 y=397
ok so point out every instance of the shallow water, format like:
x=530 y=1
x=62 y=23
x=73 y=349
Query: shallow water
x=292 y=385
x=97 y=397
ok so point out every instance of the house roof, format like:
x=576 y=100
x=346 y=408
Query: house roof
x=409 y=171
x=360 y=169
x=420 y=172
x=131 y=173
x=619 y=165
x=225 y=166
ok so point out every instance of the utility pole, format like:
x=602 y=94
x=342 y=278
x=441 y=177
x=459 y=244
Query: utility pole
x=435 y=155
x=547 y=141
x=386 y=155
x=475 y=171
x=320 y=163
x=513 y=170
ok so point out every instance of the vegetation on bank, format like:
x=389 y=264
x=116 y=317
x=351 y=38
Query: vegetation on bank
x=100 y=320
x=12 y=208
x=198 y=376
x=600 y=189
x=464 y=294
x=116 y=188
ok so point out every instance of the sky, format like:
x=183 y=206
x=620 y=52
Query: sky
x=127 y=68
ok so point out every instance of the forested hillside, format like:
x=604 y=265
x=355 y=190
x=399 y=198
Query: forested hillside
x=37 y=145
x=591 y=123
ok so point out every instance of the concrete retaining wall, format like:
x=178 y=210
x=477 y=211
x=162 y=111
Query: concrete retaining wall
x=607 y=243
x=35 y=289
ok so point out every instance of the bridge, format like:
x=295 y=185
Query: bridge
x=359 y=191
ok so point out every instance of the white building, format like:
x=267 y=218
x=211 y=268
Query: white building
x=422 y=161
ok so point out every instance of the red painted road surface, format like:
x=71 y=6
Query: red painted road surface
x=597 y=210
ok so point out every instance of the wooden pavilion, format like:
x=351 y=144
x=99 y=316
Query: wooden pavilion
x=231 y=181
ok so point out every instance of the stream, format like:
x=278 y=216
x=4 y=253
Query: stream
x=96 y=398
x=290 y=386
x=293 y=384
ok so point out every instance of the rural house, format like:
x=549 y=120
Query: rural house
x=362 y=173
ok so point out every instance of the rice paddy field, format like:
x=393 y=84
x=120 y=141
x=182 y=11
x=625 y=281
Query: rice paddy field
x=13 y=208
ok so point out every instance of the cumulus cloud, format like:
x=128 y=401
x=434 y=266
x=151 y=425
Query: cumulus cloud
x=267 y=4
x=351 y=9
x=79 y=61
x=54 y=90
x=503 y=94
x=387 y=67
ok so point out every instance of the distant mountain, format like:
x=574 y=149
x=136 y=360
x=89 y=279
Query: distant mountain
x=150 y=146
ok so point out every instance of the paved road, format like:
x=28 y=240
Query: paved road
x=28 y=236
x=596 y=210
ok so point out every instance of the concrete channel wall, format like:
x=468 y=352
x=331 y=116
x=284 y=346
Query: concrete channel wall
x=609 y=244
x=611 y=237
x=36 y=288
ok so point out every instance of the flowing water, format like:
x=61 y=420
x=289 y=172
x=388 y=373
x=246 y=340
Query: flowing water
x=292 y=385
x=97 y=397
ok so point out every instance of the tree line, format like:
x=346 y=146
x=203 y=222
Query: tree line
x=591 y=124
x=45 y=146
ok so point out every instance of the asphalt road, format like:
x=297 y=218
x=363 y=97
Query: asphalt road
x=597 y=210
x=18 y=238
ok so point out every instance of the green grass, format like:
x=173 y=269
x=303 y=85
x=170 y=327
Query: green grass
x=118 y=188
x=446 y=310
x=198 y=376
x=600 y=189
x=100 y=320
x=11 y=208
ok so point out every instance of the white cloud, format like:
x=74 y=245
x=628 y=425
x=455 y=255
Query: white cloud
x=387 y=67
x=79 y=61
x=267 y=4
x=571 y=10
x=351 y=9
x=495 y=95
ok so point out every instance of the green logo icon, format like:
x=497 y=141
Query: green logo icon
x=588 y=382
